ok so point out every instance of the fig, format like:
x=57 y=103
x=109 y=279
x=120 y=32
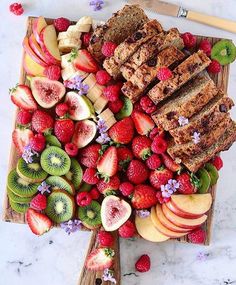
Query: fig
x=47 y=92
x=114 y=212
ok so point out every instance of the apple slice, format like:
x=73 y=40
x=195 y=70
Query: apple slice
x=147 y=230
x=162 y=229
x=38 y=24
x=167 y=223
x=182 y=222
x=31 y=67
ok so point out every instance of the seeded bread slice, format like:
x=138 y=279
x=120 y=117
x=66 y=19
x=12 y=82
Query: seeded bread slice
x=189 y=68
x=189 y=100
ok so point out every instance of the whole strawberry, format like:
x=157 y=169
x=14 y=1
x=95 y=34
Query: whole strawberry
x=110 y=186
x=38 y=143
x=24 y=117
x=122 y=131
x=144 y=196
x=188 y=183
x=39 y=202
x=137 y=172
x=116 y=106
x=125 y=155
x=126 y=188
x=141 y=147
x=90 y=176
x=127 y=230
x=170 y=163
x=160 y=177
x=64 y=130
x=42 y=122
x=94 y=193
x=143 y=264
x=217 y=162
x=61 y=109
x=153 y=162
x=105 y=239
x=89 y=155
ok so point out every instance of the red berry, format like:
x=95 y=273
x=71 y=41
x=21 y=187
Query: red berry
x=90 y=176
x=94 y=193
x=61 y=24
x=143 y=264
x=161 y=199
x=197 y=236
x=214 y=67
x=42 y=122
x=83 y=199
x=188 y=184
x=217 y=162
x=71 y=149
x=127 y=230
x=105 y=239
x=126 y=188
x=110 y=186
x=159 y=145
x=23 y=117
x=102 y=77
x=112 y=92
x=138 y=107
x=164 y=73
x=153 y=162
x=86 y=39
x=189 y=40
x=53 y=72
x=89 y=155
x=16 y=8
x=205 y=45
x=108 y=49
x=147 y=105
x=156 y=131
x=61 y=109
x=125 y=155
x=141 y=147
x=116 y=106
x=160 y=176
x=137 y=172
x=38 y=143
x=64 y=130
x=39 y=202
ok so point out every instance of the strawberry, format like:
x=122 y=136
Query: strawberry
x=137 y=172
x=143 y=264
x=126 y=188
x=141 y=147
x=160 y=177
x=22 y=97
x=86 y=39
x=90 y=176
x=38 y=222
x=94 y=193
x=188 y=183
x=122 y=131
x=108 y=164
x=144 y=197
x=197 y=236
x=107 y=188
x=157 y=131
x=61 y=109
x=39 y=202
x=105 y=238
x=21 y=138
x=85 y=62
x=38 y=142
x=42 y=122
x=83 y=199
x=142 y=122
x=127 y=230
x=170 y=163
x=100 y=259
x=125 y=155
x=23 y=117
x=159 y=145
x=153 y=162
x=64 y=130
x=89 y=155
x=217 y=162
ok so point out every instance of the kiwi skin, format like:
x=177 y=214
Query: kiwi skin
x=75 y=174
x=17 y=199
x=52 y=141
x=82 y=210
x=18 y=208
x=54 y=182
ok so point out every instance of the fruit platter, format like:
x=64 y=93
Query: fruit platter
x=118 y=131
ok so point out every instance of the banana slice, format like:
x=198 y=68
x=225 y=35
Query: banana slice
x=106 y=115
x=70 y=72
x=62 y=36
x=100 y=104
x=67 y=45
x=95 y=92
x=84 y=28
x=90 y=81
x=64 y=60
x=110 y=122
x=85 y=21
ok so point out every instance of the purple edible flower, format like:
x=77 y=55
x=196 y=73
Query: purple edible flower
x=71 y=226
x=44 y=188
x=182 y=121
x=196 y=137
x=97 y=4
x=28 y=154
x=73 y=83
x=108 y=275
x=168 y=189
x=103 y=138
x=83 y=88
x=143 y=213
x=101 y=124
x=202 y=256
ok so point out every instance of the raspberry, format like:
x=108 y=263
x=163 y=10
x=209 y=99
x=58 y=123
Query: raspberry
x=138 y=107
x=61 y=24
x=23 y=117
x=39 y=202
x=157 y=131
x=112 y=92
x=127 y=230
x=94 y=193
x=143 y=264
x=108 y=49
x=189 y=40
x=53 y=72
x=214 y=67
x=38 y=143
x=86 y=39
x=153 y=162
x=164 y=73
x=147 y=105
x=217 y=162
x=116 y=106
x=197 y=236
x=102 y=77
x=159 y=145
x=71 y=149
x=205 y=45
x=105 y=239
x=83 y=199
x=90 y=176
x=161 y=199
x=61 y=109
x=126 y=188
x=16 y=8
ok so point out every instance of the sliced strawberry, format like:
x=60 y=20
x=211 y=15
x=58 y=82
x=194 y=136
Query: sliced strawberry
x=85 y=62
x=100 y=259
x=38 y=222
x=22 y=97
x=170 y=163
x=142 y=122
x=21 y=138
x=108 y=163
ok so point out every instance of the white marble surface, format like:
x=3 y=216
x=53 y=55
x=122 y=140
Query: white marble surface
x=56 y=258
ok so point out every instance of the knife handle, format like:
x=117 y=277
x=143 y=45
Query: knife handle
x=220 y=23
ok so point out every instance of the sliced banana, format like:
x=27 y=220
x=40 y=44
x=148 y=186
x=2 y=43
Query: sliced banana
x=106 y=115
x=95 y=92
x=70 y=72
x=67 y=45
x=90 y=81
x=110 y=122
x=84 y=28
x=85 y=20
x=100 y=104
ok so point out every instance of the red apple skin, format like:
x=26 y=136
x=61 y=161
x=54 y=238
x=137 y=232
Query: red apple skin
x=38 y=24
x=37 y=49
x=180 y=213
x=31 y=67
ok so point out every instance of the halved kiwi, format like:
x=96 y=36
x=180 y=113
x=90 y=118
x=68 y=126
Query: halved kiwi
x=126 y=110
x=31 y=172
x=213 y=172
x=205 y=180
x=19 y=207
x=52 y=141
x=60 y=183
x=60 y=206
x=224 y=51
x=75 y=173
x=55 y=161
x=90 y=215
x=19 y=186
x=17 y=199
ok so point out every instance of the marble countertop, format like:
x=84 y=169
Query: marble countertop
x=56 y=258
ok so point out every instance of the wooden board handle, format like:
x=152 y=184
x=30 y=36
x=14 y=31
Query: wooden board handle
x=220 y=23
x=95 y=277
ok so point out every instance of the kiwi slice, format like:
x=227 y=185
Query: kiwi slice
x=213 y=172
x=205 y=180
x=90 y=215
x=21 y=187
x=17 y=199
x=52 y=141
x=55 y=161
x=85 y=187
x=19 y=207
x=126 y=110
x=60 y=183
x=224 y=51
x=31 y=172
x=75 y=173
